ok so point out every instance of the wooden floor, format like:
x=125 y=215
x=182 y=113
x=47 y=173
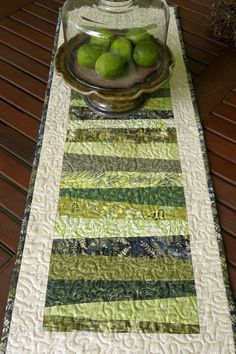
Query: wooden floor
x=26 y=41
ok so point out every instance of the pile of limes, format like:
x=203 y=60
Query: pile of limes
x=109 y=55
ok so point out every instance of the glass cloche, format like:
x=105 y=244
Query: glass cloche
x=115 y=51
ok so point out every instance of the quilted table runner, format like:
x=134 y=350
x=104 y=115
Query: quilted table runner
x=120 y=249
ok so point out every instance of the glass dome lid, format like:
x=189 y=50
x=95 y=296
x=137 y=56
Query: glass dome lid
x=112 y=44
x=115 y=52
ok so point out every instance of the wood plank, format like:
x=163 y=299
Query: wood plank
x=199 y=55
x=19 y=120
x=5 y=276
x=8 y=167
x=193 y=16
x=225 y=192
x=10 y=232
x=48 y=4
x=231 y=99
x=202 y=31
x=40 y=12
x=205 y=2
x=23 y=81
x=21 y=100
x=215 y=83
x=227 y=219
x=220 y=146
x=60 y=1
x=232 y=278
x=24 y=63
x=25 y=47
x=202 y=43
x=221 y=127
x=28 y=33
x=5 y=255
x=196 y=67
x=34 y=22
x=230 y=246
x=226 y=112
x=222 y=168
x=17 y=144
x=192 y=5
x=12 y=6
x=12 y=200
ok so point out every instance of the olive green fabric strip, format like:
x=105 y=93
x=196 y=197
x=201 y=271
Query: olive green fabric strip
x=85 y=208
x=165 y=196
x=111 y=179
x=136 y=136
x=68 y=227
x=175 y=310
x=160 y=104
x=121 y=124
x=68 y=324
x=151 y=150
x=79 y=163
x=118 y=268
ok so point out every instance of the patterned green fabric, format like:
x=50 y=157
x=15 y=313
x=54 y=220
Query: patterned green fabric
x=64 y=292
x=173 y=196
x=121 y=256
x=68 y=324
x=112 y=268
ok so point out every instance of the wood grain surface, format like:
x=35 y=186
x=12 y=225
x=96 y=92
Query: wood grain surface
x=26 y=41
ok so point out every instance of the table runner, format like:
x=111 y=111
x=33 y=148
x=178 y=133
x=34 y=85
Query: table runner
x=120 y=249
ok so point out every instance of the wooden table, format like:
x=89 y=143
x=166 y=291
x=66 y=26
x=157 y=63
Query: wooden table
x=26 y=42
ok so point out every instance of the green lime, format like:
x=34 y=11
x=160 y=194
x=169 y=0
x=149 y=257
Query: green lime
x=146 y=53
x=123 y=48
x=87 y=54
x=103 y=37
x=136 y=35
x=109 y=66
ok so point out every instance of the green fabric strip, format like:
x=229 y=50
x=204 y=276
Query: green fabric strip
x=121 y=124
x=165 y=196
x=159 y=104
x=150 y=247
x=67 y=227
x=110 y=179
x=151 y=150
x=97 y=209
x=68 y=324
x=162 y=92
x=137 y=136
x=118 y=268
x=77 y=162
x=64 y=292
x=84 y=113
x=174 y=310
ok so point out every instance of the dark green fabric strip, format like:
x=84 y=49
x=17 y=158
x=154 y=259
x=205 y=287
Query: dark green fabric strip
x=84 y=113
x=76 y=162
x=68 y=324
x=162 y=92
x=137 y=136
x=164 y=196
x=176 y=246
x=64 y=292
